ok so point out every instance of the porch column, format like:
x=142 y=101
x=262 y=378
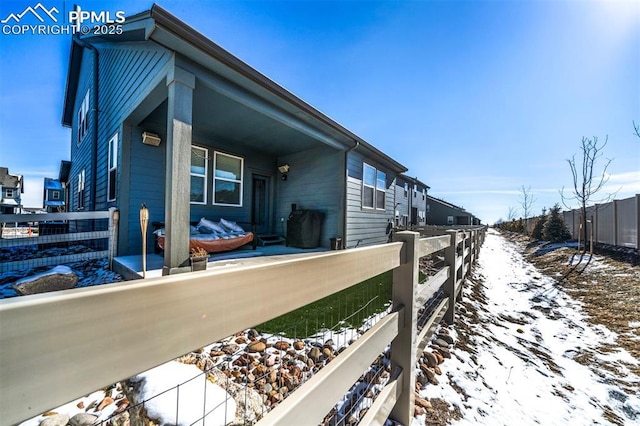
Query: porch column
x=177 y=211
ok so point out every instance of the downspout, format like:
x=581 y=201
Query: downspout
x=94 y=107
x=344 y=193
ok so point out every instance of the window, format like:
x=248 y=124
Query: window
x=81 y=189
x=415 y=190
x=381 y=190
x=112 y=177
x=83 y=118
x=449 y=220
x=374 y=188
x=424 y=193
x=55 y=195
x=406 y=190
x=227 y=179
x=8 y=193
x=199 y=158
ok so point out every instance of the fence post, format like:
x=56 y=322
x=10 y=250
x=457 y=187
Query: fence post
x=638 y=221
x=450 y=285
x=114 y=217
x=615 y=222
x=403 y=347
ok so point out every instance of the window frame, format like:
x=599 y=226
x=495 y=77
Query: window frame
x=216 y=178
x=83 y=118
x=204 y=176
x=112 y=168
x=8 y=193
x=55 y=195
x=375 y=188
x=81 y=190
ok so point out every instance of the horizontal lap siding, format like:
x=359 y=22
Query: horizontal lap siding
x=126 y=71
x=315 y=182
x=366 y=226
x=81 y=153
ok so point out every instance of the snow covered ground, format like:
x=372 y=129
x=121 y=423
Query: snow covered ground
x=526 y=355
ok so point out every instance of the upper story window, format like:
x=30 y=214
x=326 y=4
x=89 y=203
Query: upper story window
x=8 y=193
x=227 y=179
x=55 y=195
x=424 y=193
x=199 y=156
x=112 y=172
x=449 y=220
x=374 y=188
x=83 y=118
x=415 y=190
x=406 y=190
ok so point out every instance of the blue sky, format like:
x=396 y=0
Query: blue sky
x=476 y=98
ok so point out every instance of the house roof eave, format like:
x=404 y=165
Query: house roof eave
x=240 y=72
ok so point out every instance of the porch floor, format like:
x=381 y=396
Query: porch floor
x=130 y=267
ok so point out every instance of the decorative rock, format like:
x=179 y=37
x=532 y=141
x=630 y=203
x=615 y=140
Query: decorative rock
x=441 y=343
x=418 y=411
x=256 y=346
x=281 y=345
x=444 y=352
x=420 y=402
x=326 y=351
x=298 y=345
x=55 y=279
x=314 y=354
x=439 y=357
x=104 y=403
x=83 y=419
x=230 y=349
x=80 y=405
x=431 y=359
x=437 y=370
x=253 y=334
x=241 y=340
x=55 y=420
x=446 y=338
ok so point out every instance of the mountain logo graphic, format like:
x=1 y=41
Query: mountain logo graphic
x=34 y=11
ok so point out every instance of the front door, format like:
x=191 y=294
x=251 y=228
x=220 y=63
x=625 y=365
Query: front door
x=260 y=203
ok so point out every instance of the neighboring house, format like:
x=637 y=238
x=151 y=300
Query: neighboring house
x=163 y=116
x=410 y=202
x=11 y=190
x=53 y=196
x=443 y=213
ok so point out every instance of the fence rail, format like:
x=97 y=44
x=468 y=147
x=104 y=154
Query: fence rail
x=188 y=311
x=97 y=230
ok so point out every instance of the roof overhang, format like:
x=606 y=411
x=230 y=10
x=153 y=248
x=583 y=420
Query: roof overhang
x=162 y=27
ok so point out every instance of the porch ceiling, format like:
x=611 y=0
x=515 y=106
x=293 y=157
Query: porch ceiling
x=218 y=116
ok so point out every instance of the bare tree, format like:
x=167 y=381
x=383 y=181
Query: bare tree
x=512 y=214
x=636 y=129
x=586 y=181
x=526 y=201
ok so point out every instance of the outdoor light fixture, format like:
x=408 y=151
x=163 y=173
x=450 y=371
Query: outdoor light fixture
x=284 y=169
x=150 y=139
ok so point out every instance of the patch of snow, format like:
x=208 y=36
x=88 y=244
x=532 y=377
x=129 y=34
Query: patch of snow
x=531 y=374
x=195 y=398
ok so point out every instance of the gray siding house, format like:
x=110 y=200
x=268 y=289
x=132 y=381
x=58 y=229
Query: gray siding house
x=163 y=116
x=11 y=190
x=410 y=202
x=443 y=213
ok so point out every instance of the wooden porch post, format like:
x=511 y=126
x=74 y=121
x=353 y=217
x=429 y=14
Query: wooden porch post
x=180 y=85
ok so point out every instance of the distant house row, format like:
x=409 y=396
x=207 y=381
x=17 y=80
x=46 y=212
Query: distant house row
x=163 y=116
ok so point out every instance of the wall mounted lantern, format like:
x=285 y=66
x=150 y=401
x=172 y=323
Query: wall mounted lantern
x=150 y=139
x=284 y=169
